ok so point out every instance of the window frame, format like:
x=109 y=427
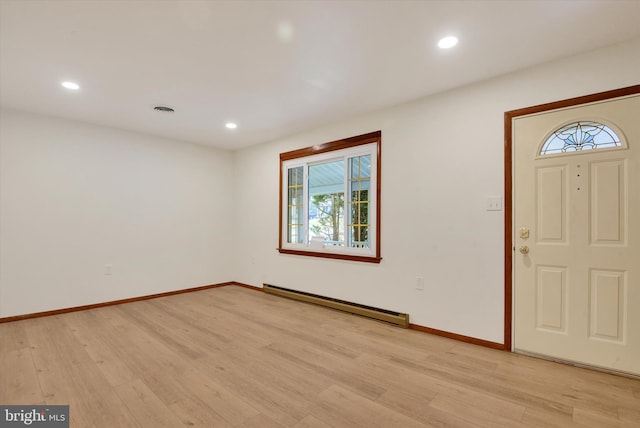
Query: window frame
x=310 y=155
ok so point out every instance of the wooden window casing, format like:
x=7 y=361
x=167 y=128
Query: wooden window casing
x=347 y=143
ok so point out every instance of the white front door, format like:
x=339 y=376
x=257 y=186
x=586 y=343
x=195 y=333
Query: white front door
x=577 y=235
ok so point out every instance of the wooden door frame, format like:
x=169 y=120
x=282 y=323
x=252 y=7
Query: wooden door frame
x=508 y=187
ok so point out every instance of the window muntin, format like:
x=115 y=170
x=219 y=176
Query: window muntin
x=580 y=136
x=295 y=205
x=359 y=186
x=333 y=210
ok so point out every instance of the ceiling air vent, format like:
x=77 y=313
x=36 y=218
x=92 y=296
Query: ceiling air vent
x=164 y=109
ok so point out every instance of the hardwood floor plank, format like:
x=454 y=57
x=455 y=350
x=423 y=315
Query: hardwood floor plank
x=397 y=377
x=564 y=388
x=232 y=357
x=166 y=370
x=485 y=411
x=18 y=380
x=260 y=421
x=344 y=371
x=311 y=422
x=414 y=404
x=146 y=408
x=341 y=407
x=194 y=414
x=539 y=418
x=263 y=392
x=13 y=335
x=106 y=350
x=145 y=353
x=68 y=376
x=195 y=392
x=462 y=363
x=493 y=386
x=594 y=419
x=630 y=414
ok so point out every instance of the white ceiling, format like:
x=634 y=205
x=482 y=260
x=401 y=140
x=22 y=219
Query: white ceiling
x=274 y=67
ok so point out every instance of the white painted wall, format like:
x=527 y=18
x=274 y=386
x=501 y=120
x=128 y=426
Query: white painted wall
x=76 y=197
x=442 y=158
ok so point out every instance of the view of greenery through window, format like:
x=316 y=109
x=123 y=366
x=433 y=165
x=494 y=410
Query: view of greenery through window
x=326 y=203
x=326 y=197
x=329 y=218
x=325 y=207
x=329 y=200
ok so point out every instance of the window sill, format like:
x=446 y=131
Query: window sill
x=350 y=257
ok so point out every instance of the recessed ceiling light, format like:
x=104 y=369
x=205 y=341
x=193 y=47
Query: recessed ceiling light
x=71 y=85
x=231 y=125
x=285 y=31
x=447 y=42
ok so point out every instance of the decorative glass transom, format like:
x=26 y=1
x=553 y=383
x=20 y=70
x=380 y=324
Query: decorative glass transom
x=578 y=136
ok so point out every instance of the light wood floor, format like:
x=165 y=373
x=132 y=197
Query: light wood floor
x=232 y=357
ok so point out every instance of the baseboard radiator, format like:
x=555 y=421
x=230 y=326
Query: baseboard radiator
x=391 y=317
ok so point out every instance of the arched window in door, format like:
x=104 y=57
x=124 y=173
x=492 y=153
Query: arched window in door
x=579 y=136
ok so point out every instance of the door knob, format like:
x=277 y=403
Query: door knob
x=524 y=249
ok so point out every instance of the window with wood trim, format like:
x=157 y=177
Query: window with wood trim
x=330 y=199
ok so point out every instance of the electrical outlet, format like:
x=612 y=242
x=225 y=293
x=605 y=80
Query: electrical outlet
x=494 y=204
x=108 y=269
x=419 y=283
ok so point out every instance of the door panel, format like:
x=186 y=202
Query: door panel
x=577 y=282
x=551 y=298
x=607 y=290
x=552 y=201
x=607 y=202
